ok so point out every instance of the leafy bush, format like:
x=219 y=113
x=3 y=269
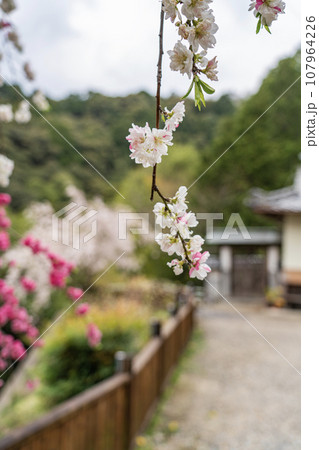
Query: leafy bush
x=68 y=365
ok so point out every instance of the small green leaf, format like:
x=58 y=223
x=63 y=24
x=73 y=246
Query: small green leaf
x=208 y=89
x=189 y=90
x=202 y=96
x=197 y=94
x=267 y=28
x=258 y=25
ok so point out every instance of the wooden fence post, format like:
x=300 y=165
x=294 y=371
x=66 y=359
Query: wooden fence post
x=123 y=364
x=155 y=328
x=173 y=309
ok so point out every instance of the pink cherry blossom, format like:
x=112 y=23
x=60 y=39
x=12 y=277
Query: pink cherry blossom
x=32 y=384
x=4 y=240
x=5 y=199
x=19 y=326
x=5 y=222
x=58 y=278
x=94 y=335
x=82 y=309
x=17 y=350
x=32 y=332
x=34 y=244
x=199 y=269
x=3 y=365
x=74 y=293
x=38 y=343
x=28 y=284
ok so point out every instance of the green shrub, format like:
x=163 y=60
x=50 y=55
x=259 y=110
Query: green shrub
x=68 y=365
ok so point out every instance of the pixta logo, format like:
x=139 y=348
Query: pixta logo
x=74 y=225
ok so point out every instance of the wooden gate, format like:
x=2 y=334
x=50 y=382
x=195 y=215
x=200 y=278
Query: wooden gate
x=249 y=275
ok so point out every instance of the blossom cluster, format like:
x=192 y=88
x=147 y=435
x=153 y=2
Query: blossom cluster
x=15 y=322
x=16 y=326
x=147 y=148
x=196 y=25
x=267 y=11
x=60 y=268
x=22 y=113
x=148 y=145
x=180 y=240
x=9 y=35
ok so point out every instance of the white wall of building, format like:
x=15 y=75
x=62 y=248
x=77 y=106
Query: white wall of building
x=291 y=245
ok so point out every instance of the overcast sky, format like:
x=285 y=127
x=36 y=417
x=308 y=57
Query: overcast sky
x=111 y=46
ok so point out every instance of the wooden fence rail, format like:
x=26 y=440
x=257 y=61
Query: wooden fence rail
x=109 y=415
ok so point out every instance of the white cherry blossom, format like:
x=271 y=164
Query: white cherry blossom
x=195 y=243
x=137 y=136
x=6 y=114
x=203 y=34
x=199 y=269
x=170 y=8
x=40 y=101
x=148 y=146
x=158 y=140
x=268 y=9
x=164 y=215
x=170 y=244
x=195 y=8
x=177 y=266
x=175 y=116
x=210 y=70
x=23 y=114
x=6 y=168
x=178 y=202
x=183 y=223
x=181 y=59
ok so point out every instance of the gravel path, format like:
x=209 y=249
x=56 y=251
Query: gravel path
x=237 y=392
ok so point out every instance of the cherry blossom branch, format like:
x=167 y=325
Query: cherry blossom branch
x=10 y=49
x=196 y=24
x=158 y=96
x=159 y=111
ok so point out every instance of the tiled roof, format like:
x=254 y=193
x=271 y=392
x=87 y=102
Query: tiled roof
x=281 y=201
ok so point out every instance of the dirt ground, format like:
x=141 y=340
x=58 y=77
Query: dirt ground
x=236 y=391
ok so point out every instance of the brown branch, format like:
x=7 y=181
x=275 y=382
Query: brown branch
x=158 y=94
x=184 y=248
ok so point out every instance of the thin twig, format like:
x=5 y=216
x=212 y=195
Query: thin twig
x=158 y=93
x=184 y=247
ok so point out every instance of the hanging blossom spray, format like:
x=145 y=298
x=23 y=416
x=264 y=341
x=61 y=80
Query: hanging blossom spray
x=10 y=51
x=196 y=26
x=266 y=12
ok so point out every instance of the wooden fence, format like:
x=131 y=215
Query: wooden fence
x=109 y=415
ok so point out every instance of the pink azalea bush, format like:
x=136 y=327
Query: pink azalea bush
x=18 y=330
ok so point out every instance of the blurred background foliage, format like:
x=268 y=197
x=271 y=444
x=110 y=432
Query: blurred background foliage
x=265 y=156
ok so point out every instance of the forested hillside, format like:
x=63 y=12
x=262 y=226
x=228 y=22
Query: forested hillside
x=265 y=153
x=96 y=126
